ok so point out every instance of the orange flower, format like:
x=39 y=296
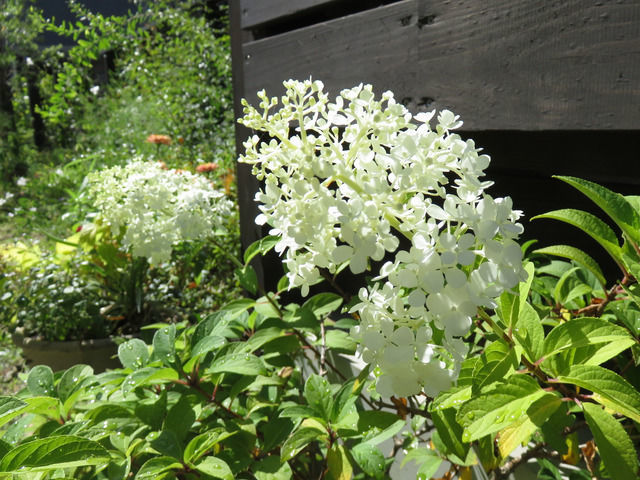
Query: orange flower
x=163 y=165
x=228 y=182
x=159 y=139
x=206 y=167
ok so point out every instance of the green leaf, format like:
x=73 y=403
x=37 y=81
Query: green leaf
x=529 y=332
x=239 y=363
x=40 y=381
x=164 y=345
x=450 y=432
x=72 y=382
x=319 y=395
x=207 y=344
x=133 y=353
x=271 y=468
x=578 y=256
x=452 y=397
x=237 y=307
x=592 y=226
x=613 y=204
x=370 y=459
x=340 y=341
x=248 y=279
x=323 y=304
x=261 y=246
x=614 y=445
x=51 y=453
x=343 y=399
x=496 y=363
x=166 y=443
x=201 y=444
x=429 y=467
x=265 y=307
x=338 y=463
x=584 y=331
x=519 y=433
x=10 y=407
x=491 y=412
x=180 y=417
x=421 y=455
x=215 y=467
x=300 y=439
x=261 y=337
x=153 y=468
x=274 y=432
x=609 y=388
x=148 y=376
x=152 y=410
x=375 y=436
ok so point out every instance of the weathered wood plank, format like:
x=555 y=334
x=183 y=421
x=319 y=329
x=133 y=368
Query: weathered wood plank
x=258 y=12
x=504 y=64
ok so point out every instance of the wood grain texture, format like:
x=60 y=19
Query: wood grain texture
x=258 y=12
x=500 y=64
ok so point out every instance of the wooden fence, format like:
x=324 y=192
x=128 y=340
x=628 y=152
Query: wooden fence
x=546 y=87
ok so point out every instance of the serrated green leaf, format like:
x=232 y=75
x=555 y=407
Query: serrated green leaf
x=370 y=459
x=51 y=453
x=592 y=226
x=614 y=445
x=584 y=331
x=519 y=433
x=613 y=204
x=609 y=388
x=491 y=412
x=529 y=332
x=578 y=256
x=496 y=362
x=133 y=354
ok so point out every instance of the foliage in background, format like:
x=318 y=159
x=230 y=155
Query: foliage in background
x=155 y=83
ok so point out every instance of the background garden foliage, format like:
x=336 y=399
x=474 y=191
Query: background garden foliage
x=117 y=218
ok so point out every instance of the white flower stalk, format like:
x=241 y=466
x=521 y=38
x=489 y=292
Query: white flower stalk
x=153 y=209
x=344 y=180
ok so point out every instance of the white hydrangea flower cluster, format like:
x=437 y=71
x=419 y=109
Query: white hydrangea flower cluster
x=344 y=180
x=155 y=208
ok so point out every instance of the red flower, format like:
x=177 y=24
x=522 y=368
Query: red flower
x=206 y=167
x=159 y=139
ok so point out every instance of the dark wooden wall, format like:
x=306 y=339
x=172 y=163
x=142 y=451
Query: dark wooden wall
x=546 y=87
